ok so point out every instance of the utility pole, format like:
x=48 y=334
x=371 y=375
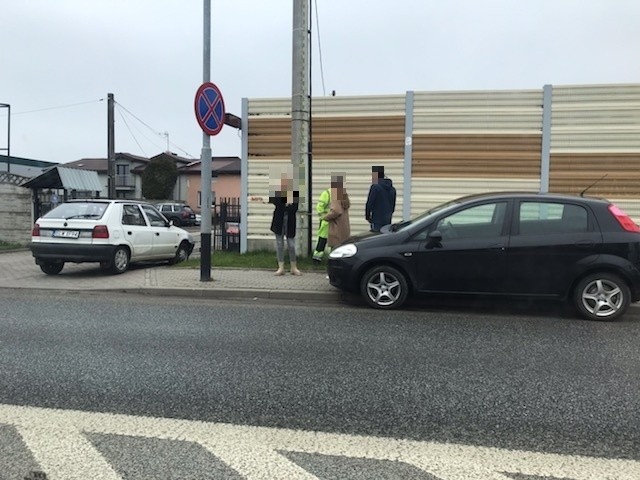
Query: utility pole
x=166 y=135
x=111 y=155
x=8 y=149
x=205 y=160
x=300 y=116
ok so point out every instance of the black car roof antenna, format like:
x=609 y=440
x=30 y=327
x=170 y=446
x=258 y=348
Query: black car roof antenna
x=594 y=183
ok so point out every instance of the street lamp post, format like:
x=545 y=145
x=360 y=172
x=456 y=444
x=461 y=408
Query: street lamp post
x=8 y=149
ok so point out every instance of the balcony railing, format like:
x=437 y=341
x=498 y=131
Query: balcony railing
x=125 y=181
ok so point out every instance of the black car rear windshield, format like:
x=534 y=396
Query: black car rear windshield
x=71 y=210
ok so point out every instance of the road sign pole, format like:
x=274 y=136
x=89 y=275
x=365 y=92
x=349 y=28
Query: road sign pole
x=205 y=160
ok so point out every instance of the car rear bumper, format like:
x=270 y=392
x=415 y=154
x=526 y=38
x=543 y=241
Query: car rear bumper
x=53 y=252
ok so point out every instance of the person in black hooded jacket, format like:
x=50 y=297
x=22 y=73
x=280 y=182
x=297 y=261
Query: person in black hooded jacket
x=381 y=201
x=283 y=223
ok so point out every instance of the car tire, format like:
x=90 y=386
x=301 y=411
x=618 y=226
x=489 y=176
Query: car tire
x=182 y=254
x=384 y=287
x=120 y=260
x=51 y=268
x=176 y=221
x=602 y=296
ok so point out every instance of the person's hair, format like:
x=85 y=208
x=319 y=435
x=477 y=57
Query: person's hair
x=379 y=169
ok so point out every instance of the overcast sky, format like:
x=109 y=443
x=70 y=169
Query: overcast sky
x=60 y=58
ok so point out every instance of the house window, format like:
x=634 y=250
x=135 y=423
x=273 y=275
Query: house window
x=123 y=176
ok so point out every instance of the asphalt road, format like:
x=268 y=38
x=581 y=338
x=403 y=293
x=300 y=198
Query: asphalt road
x=544 y=384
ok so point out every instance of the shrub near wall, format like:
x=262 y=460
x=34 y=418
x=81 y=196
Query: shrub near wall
x=15 y=214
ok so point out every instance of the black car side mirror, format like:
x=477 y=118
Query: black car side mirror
x=434 y=240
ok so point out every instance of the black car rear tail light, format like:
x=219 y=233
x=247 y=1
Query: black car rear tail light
x=100 y=231
x=623 y=219
x=36 y=230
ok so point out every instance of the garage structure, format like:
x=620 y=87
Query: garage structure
x=437 y=146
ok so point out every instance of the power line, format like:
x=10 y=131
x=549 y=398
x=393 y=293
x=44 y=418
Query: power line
x=155 y=132
x=131 y=132
x=324 y=93
x=57 y=108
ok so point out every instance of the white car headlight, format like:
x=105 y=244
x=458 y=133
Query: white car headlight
x=344 y=251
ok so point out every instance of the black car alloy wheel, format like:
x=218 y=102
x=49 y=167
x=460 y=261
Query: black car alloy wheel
x=384 y=287
x=602 y=296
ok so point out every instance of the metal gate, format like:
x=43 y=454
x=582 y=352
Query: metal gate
x=226 y=225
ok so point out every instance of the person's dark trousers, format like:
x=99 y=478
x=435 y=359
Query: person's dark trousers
x=319 y=251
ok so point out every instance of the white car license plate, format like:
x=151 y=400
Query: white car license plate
x=66 y=233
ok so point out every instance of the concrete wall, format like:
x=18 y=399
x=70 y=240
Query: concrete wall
x=15 y=210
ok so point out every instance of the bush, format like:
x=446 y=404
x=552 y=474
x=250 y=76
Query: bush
x=159 y=178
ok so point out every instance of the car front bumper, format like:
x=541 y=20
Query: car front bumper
x=343 y=273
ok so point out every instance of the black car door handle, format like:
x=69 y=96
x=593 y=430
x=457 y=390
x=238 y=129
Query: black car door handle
x=157 y=234
x=585 y=243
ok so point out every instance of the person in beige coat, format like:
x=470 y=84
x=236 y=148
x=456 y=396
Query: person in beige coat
x=338 y=216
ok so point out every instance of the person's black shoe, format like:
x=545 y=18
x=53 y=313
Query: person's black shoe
x=317 y=260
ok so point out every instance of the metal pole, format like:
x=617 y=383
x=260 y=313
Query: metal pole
x=547 y=98
x=8 y=149
x=300 y=113
x=310 y=147
x=205 y=160
x=111 y=156
x=244 y=171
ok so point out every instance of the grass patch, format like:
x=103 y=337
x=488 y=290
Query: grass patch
x=9 y=246
x=261 y=259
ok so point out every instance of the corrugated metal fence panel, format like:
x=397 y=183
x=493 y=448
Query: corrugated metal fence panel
x=477 y=137
x=476 y=155
x=612 y=175
x=506 y=111
x=333 y=106
x=426 y=193
x=595 y=131
x=373 y=137
x=357 y=181
x=596 y=118
x=349 y=134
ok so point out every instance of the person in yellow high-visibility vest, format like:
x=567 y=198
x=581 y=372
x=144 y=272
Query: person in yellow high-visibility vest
x=322 y=208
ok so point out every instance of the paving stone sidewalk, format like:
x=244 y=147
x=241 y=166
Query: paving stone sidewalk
x=18 y=270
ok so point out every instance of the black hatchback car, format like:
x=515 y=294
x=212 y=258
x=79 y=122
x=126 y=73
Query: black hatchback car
x=584 y=250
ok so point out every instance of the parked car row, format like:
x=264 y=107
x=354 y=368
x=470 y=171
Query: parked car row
x=114 y=233
x=180 y=213
x=583 y=250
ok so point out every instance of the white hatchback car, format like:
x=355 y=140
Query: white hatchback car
x=112 y=232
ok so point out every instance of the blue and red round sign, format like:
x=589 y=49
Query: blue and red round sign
x=209 y=107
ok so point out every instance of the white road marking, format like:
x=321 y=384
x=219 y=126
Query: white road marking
x=56 y=438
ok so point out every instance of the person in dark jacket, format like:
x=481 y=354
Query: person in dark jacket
x=284 y=224
x=381 y=202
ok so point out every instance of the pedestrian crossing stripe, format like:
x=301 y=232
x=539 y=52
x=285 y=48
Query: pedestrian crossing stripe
x=59 y=441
